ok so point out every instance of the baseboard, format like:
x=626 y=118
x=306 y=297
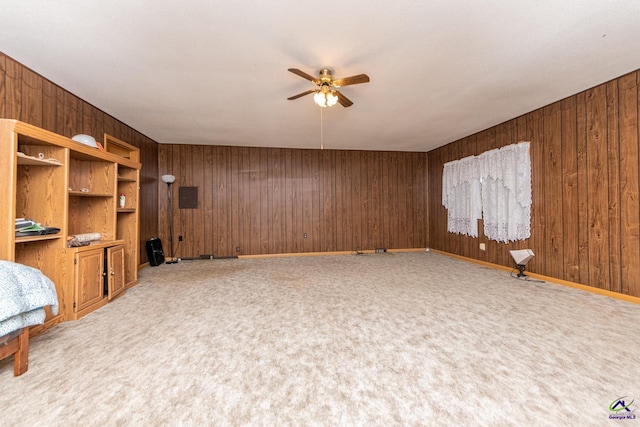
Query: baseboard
x=298 y=254
x=294 y=254
x=593 y=290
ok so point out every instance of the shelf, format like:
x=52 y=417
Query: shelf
x=23 y=159
x=24 y=239
x=88 y=194
x=88 y=154
x=122 y=179
x=126 y=210
x=97 y=244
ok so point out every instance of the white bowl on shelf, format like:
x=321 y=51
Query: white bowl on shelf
x=86 y=140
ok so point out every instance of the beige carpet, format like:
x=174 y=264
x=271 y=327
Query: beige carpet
x=353 y=340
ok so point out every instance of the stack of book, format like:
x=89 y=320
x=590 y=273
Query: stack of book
x=22 y=222
x=28 y=227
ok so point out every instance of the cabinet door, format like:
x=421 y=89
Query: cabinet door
x=89 y=278
x=116 y=279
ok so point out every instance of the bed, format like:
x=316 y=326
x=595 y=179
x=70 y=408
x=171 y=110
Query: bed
x=24 y=292
x=16 y=344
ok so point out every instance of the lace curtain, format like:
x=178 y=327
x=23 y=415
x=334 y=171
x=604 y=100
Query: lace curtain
x=495 y=186
x=461 y=196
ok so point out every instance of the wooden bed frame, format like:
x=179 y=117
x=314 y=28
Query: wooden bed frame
x=19 y=348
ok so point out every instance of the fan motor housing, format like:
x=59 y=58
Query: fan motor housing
x=326 y=75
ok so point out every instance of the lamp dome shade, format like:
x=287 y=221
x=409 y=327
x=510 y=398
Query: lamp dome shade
x=522 y=256
x=168 y=179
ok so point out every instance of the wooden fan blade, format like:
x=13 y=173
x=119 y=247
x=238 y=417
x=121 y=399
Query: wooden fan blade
x=291 y=98
x=343 y=100
x=304 y=75
x=353 y=80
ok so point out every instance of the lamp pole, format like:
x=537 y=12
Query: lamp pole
x=170 y=179
x=170 y=223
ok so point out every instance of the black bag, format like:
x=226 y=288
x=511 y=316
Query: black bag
x=155 y=252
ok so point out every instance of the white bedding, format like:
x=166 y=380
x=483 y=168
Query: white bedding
x=24 y=292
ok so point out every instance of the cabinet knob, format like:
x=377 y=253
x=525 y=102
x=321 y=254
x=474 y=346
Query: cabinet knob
x=113 y=273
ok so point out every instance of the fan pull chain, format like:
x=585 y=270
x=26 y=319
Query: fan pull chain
x=321 y=131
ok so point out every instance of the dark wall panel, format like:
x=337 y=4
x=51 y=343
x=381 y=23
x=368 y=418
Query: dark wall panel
x=629 y=183
x=29 y=97
x=585 y=214
x=264 y=200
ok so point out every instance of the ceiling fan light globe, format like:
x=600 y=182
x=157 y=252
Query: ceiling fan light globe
x=331 y=99
x=320 y=99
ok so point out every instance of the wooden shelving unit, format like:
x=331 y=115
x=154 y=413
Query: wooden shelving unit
x=61 y=183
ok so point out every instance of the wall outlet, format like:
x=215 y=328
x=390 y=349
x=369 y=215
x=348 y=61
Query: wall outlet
x=305 y=235
x=237 y=248
x=483 y=247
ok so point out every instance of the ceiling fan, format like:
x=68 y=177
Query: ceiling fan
x=327 y=94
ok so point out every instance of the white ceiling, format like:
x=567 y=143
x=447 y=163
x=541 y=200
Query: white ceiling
x=214 y=72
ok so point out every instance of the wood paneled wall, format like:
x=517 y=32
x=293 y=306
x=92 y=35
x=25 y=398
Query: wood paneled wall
x=27 y=96
x=264 y=200
x=585 y=160
x=586 y=213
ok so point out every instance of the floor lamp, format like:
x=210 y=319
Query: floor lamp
x=521 y=258
x=170 y=179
